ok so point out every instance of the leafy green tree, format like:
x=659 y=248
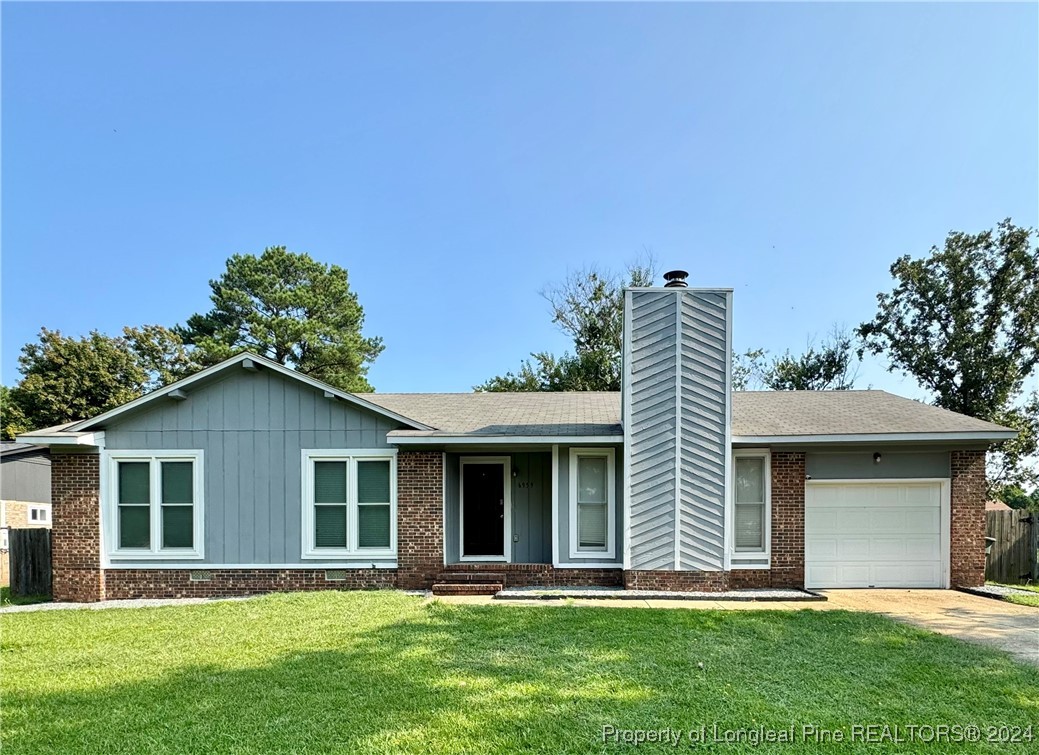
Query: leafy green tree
x=12 y=418
x=964 y=321
x=830 y=366
x=1016 y=497
x=289 y=308
x=588 y=305
x=66 y=378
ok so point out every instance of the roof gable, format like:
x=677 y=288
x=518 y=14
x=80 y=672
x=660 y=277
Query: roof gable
x=240 y=361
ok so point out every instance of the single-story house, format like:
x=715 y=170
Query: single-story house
x=25 y=493
x=250 y=477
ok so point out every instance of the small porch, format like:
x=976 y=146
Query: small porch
x=498 y=508
x=506 y=514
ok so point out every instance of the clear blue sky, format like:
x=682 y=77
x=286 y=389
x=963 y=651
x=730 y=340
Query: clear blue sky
x=456 y=158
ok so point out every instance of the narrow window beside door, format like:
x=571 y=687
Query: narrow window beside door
x=592 y=502
x=750 y=523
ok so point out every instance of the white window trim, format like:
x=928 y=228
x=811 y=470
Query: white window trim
x=110 y=506
x=45 y=508
x=611 y=504
x=351 y=456
x=506 y=546
x=765 y=553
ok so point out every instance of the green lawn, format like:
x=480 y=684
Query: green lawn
x=382 y=672
x=6 y=599
x=1022 y=600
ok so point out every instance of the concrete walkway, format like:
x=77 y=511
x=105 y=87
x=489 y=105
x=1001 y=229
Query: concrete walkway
x=986 y=621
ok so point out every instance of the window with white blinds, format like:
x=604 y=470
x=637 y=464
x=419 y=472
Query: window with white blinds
x=349 y=503
x=751 y=502
x=592 y=502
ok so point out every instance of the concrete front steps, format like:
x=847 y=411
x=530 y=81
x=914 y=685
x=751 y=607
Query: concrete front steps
x=468 y=583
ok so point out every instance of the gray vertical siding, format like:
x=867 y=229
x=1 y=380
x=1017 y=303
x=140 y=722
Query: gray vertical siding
x=26 y=477
x=531 y=506
x=676 y=383
x=252 y=427
x=563 y=512
x=652 y=430
x=859 y=465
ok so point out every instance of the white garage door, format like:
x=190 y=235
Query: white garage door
x=873 y=534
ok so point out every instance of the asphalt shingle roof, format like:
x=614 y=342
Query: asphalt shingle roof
x=755 y=413
x=575 y=413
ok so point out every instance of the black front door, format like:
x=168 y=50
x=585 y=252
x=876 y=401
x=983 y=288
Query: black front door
x=483 y=504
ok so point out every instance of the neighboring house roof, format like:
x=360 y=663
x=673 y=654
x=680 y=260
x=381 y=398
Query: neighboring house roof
x=9 y=448
x=997 y=506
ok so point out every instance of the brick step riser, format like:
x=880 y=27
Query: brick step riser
x=471 y=578
x=466 y=589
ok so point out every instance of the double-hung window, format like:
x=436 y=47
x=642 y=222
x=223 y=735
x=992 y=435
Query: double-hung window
x=155 y=504
x=750 y=530
x=349 y=503
x=592 y=502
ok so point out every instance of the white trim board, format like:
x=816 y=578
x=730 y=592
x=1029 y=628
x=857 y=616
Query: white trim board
x=506 y=465
x=866 y=438
x=116 y=565
x=496 y=440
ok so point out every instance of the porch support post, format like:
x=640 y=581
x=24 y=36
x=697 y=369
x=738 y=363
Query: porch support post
x=420 y=518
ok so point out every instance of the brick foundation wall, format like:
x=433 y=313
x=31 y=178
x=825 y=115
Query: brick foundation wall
x=788 y=519
x=76 y=528
x=542 y=575
x=683 y=581
x=420 y=518
x=967 y=527
x=124 y=584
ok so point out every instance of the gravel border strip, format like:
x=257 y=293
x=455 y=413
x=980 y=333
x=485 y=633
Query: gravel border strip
x=748 y=596
x=995 y=592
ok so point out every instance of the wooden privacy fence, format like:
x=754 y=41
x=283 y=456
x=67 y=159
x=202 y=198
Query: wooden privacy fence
x=30 y=553
x=1013 y=556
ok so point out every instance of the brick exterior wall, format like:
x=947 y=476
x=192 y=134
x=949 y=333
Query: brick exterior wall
x=76 y=528
x=124 y=584
x=967 y=527
x=541 y=575
x=420 y=518
x=788 y=519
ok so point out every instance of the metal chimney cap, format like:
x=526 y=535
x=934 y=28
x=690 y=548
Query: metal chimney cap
x=676 y=279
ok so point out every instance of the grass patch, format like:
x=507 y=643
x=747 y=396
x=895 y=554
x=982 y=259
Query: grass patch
x=7 y=599
x=384 y=673
x=1019 y=599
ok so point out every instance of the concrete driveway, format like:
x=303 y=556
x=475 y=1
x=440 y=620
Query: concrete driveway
x=1009 y=627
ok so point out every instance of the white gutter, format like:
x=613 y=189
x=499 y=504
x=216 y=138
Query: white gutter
x=769 y=440
x=414 y=440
